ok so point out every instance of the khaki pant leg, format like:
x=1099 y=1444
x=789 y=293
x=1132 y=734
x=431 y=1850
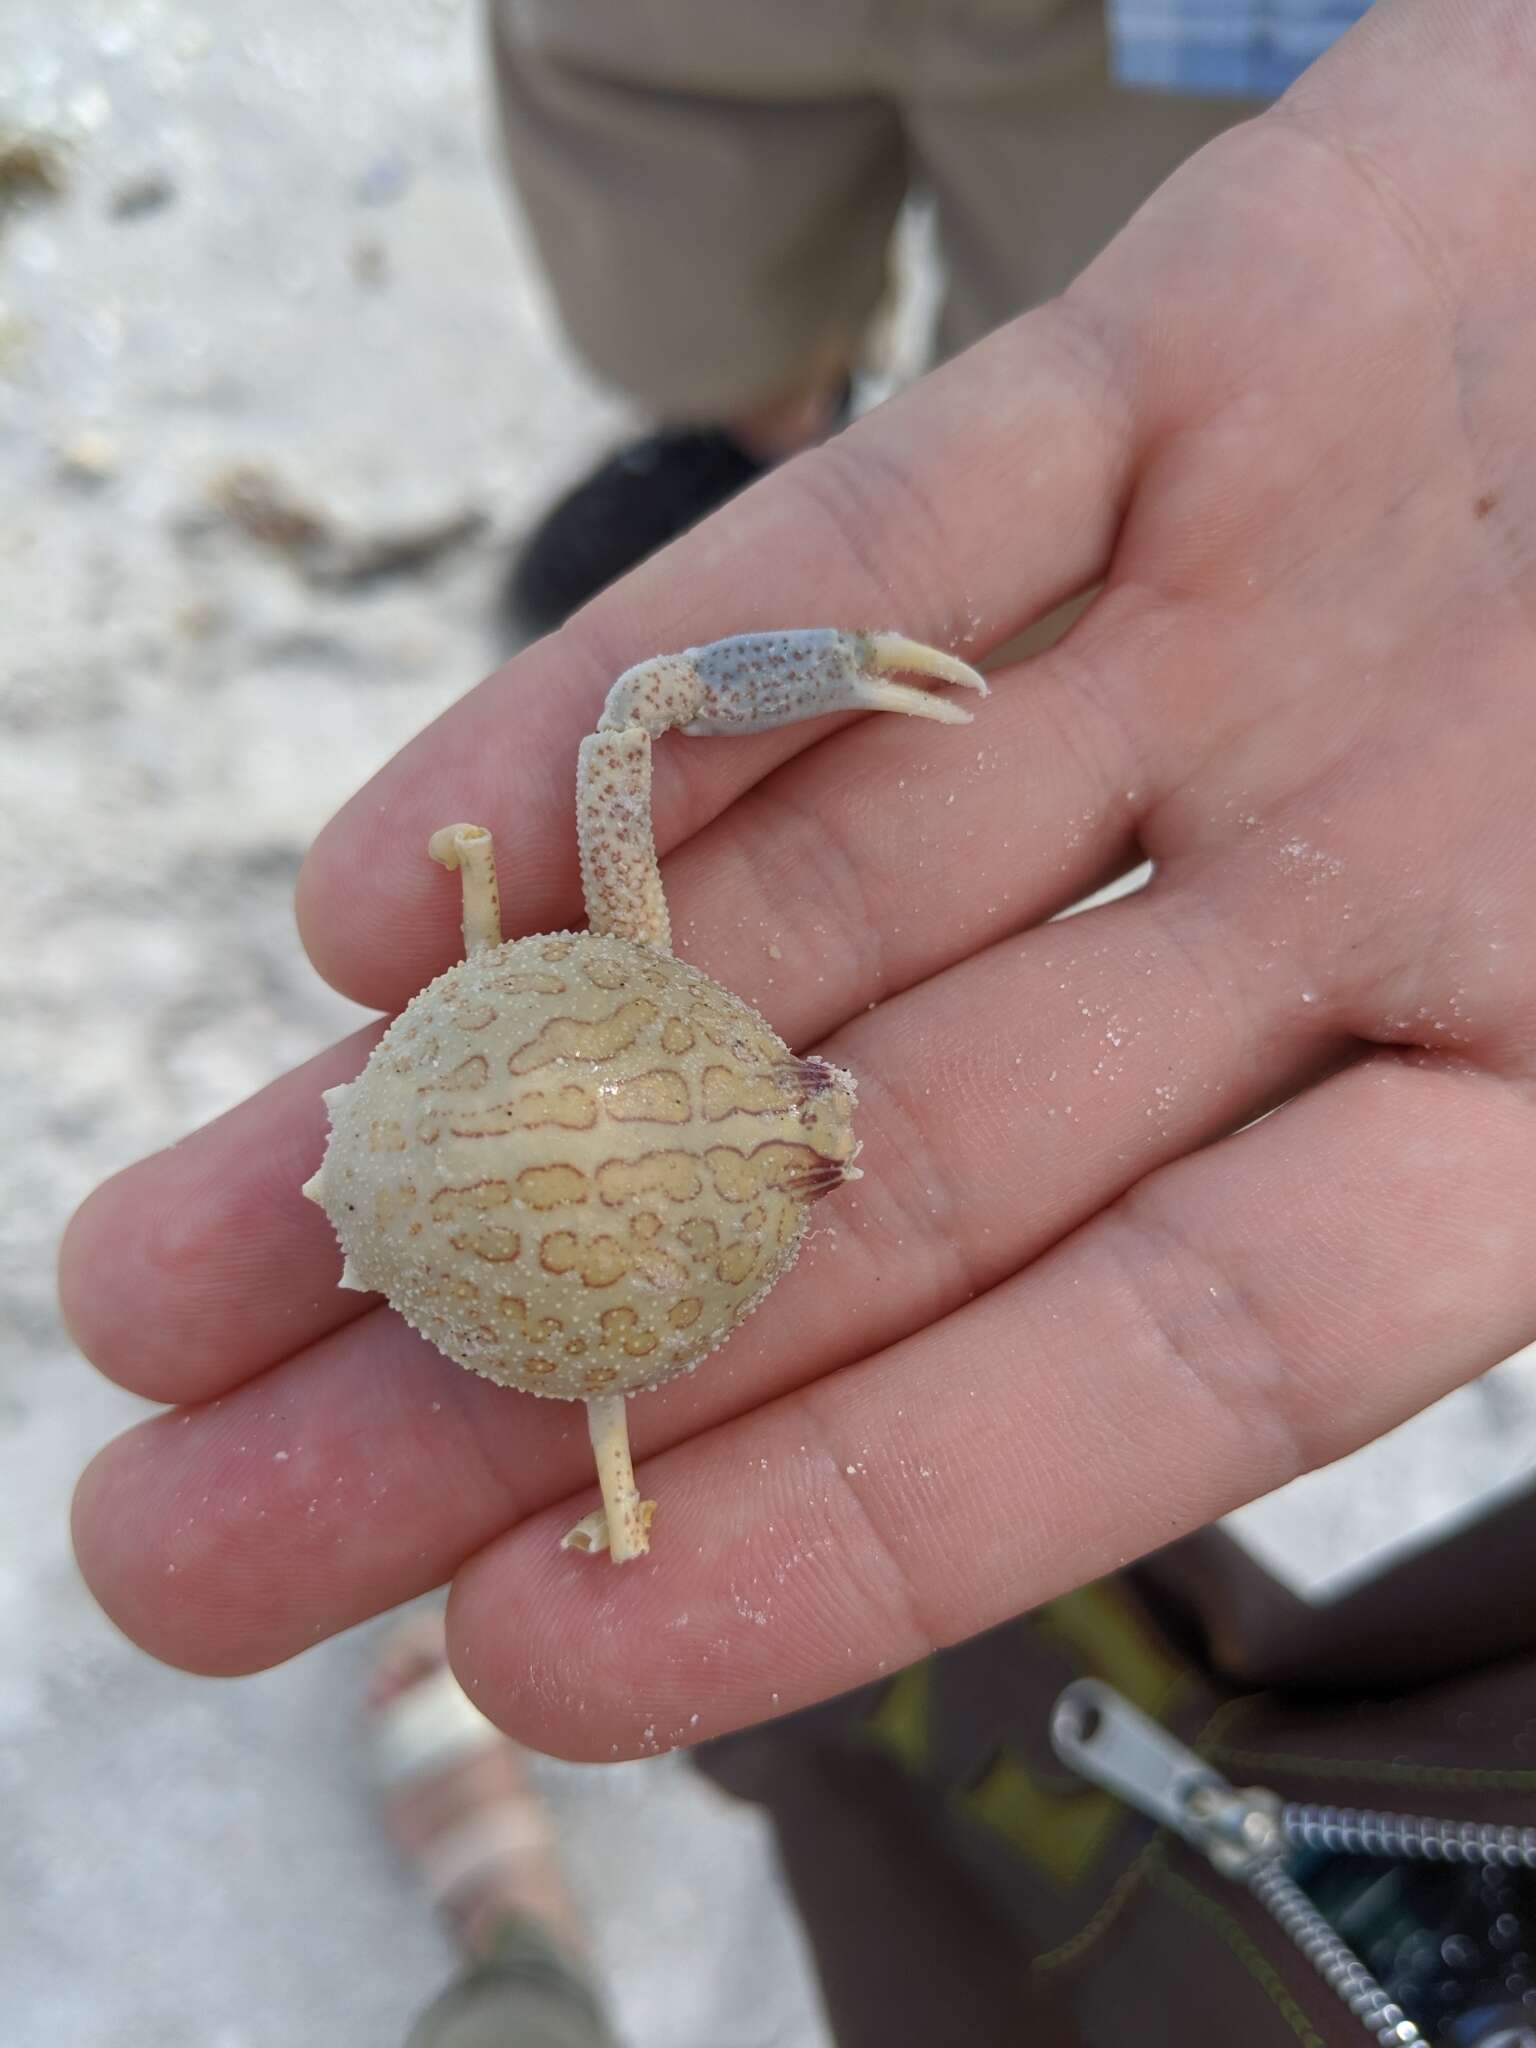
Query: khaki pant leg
x=711 y=185
x=1034 y=158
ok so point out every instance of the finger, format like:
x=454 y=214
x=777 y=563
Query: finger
x=910 y=520
x=999 y=1123
x=829 y=886
x=202 y=1264
x=227 y=1537
x=1243 y=1316
x=856 y=871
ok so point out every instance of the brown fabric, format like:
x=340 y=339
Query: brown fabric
x=712 y=184
x=1470 y=1599
x=1082 y=1924
x=908 y=1944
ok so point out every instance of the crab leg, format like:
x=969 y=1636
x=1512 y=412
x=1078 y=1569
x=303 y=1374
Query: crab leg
x=468 y=848
x=747 y=684
x=759 y=680
x=622 y=1523
x=620 y=879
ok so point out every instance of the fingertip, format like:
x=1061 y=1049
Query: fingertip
x=147 y=1594
x=369 y=902
x=757 y=1597
x=132 y=1260
x=545 y=1641
x=203 y=1264
x=188 y=1539
x=117 y=1239
x=72 y=1269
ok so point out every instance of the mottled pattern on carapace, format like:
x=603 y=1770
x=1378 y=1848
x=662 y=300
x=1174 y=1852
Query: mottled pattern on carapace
x=575 y=1163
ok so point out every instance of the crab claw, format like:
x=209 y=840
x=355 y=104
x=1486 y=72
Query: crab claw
x=892 y=654
x=760 y=680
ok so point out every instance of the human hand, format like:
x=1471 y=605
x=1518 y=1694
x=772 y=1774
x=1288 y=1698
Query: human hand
x=1080 y=1303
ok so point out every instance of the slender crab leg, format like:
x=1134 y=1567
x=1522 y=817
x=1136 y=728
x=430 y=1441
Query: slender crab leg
x=748 y=684
x=623 y=1521
x=468 y=848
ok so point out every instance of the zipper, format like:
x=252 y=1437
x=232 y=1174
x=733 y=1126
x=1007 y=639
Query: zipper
x=1247 y=1834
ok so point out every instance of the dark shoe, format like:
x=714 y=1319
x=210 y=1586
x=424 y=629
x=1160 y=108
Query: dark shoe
x=630 y=506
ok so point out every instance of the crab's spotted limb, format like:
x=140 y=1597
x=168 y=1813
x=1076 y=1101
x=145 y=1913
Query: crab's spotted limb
x=573 y=1162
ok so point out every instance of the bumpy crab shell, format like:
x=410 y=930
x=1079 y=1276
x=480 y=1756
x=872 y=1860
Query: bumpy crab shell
x=575 y=1163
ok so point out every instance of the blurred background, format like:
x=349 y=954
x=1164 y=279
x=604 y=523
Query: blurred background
x=278 y=392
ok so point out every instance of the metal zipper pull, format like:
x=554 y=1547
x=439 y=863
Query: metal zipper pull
x=1100 y=1734
x=1102 y=1737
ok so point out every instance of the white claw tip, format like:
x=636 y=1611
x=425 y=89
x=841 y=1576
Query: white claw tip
x=895 y=654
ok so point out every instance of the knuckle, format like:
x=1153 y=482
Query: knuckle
x=1207 y=1335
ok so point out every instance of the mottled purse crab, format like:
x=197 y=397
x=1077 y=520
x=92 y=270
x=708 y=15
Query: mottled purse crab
x=573 y=1162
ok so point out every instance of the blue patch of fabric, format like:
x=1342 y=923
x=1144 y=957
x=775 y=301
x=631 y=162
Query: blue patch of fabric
x=1252 y=48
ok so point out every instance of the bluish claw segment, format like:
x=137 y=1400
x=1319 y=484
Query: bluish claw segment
x=760 y=680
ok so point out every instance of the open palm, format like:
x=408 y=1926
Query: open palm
x=1082 y=1300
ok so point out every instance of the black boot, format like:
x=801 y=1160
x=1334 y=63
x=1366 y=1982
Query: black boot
x=634 y=503
x=631 y=505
